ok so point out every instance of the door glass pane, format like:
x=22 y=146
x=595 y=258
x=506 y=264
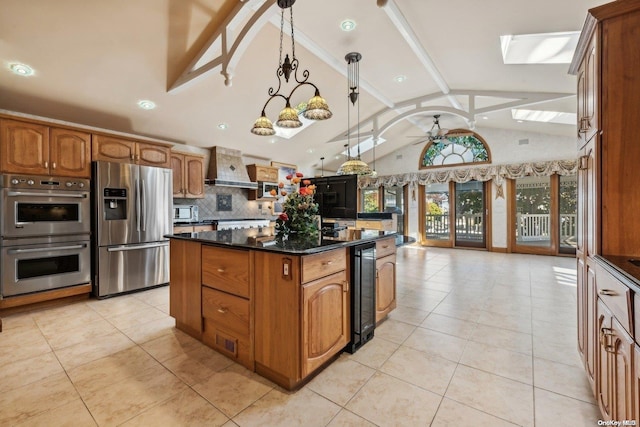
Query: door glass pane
x=470 y=208
x=394 y=203
x=568 y=205
x=437 y=212
x=370 y=199
x=533 y=211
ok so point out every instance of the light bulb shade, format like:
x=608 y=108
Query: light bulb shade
x=263 y=127
x=317 y=109
x=288 y=118
x=354 y=167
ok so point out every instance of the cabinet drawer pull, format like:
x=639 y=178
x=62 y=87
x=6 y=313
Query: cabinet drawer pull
x=327 y=263
x=221 y=270
x=222 y=310
x=607 y=292
x=46 y=164
x=385 y=246
x=345 y=286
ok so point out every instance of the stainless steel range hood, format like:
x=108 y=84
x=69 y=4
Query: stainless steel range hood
x=227 y=169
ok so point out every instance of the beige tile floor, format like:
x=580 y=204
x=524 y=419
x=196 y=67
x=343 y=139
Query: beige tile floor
x=478 y=339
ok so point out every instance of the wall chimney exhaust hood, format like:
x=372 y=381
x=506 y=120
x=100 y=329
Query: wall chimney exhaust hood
x=227 y=169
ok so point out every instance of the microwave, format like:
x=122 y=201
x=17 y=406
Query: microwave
x=264 y=190
x=185 y=213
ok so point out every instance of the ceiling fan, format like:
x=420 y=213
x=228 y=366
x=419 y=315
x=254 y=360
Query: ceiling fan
x=436 y=133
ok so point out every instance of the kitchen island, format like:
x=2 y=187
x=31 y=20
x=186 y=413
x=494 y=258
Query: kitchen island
x=281 y=308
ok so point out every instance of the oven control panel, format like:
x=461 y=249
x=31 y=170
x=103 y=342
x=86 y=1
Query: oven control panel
x=44 y=182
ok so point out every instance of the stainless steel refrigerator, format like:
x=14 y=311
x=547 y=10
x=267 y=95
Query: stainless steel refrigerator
x=132 y=208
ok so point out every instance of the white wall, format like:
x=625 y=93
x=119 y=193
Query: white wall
x=505 y=148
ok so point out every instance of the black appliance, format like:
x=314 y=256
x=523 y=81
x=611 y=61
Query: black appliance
x=363 y=295
x=337 y=196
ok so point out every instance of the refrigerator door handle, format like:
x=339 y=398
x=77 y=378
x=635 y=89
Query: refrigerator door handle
x=137 y=196
x=143 y=207
x=123 y=248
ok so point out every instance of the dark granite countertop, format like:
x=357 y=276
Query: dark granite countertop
x=264 y=239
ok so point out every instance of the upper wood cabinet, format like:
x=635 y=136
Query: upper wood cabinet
x=188 y=175
x=587 y=94
x=114 y=149
x=262 y=173
x=32 y=148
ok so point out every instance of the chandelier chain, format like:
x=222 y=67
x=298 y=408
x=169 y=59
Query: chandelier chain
x=293 y=40
x=281 y=32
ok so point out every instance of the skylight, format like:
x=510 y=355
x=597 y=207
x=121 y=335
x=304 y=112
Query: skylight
x=365 y=146
x=543 y=48
x=544 y=116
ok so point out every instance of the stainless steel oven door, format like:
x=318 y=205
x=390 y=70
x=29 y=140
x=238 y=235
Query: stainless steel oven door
x=27 y=213
x=37 y=267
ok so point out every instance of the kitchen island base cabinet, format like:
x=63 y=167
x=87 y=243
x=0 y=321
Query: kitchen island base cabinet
x=185 y=300
x=299 y=327
x=385 y=277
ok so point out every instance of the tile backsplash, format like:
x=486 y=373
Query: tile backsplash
x=241 y=206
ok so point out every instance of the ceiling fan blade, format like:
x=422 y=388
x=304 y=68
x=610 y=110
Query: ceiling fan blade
x=421 y=141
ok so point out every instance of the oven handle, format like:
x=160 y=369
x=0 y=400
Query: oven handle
x=136 y=247
x=37 y=194
x=56 y=248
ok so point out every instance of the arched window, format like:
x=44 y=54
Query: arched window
x=460 y=147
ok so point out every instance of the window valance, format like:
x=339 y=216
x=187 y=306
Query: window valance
x=497 y=173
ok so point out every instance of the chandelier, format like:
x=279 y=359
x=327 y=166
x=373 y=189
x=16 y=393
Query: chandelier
x=353 y=166
x=317 y=108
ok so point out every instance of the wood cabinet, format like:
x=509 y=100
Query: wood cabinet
x=385 y=277
x=31 y=148
x=188 y=175
x=262 y=173
x=325 y=320
x=192 y=228
x=587 y=93
x=636 y=378
x=615 y=385
x=121 y=150
x=227 y=279
x=300 y=324
x=608 y=87
x=185 y=300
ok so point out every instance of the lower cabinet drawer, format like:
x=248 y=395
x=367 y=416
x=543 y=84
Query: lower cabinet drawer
x=616 y=296
x=227 y=311
x=386 y=246
x=231 y=344
x=323 y=264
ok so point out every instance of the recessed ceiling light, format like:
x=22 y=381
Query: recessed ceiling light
x=145 y=104
x=485 y=117
x=348 y=25
x=21 y=69
x=520 y=121
x=310 y=151
x=222 y=126
x=400 y=79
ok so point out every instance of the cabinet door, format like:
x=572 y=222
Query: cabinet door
x=581 y=294
x=622 y=374
x=589 y=125
x=25 y=147
x=325 y=320
x=591 y=330
x=603 y=380
x=385 y=286
x=194 y=177
x=636 y=378
x=111 y=149
x=70 y=153
x=592 y=212
x=148 y=154
x=177 y=166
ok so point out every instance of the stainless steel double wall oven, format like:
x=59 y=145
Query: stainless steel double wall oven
x=45 y=225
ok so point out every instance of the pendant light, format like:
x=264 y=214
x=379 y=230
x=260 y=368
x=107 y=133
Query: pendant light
x=353 y=166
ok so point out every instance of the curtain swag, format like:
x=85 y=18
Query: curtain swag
x=497 y=173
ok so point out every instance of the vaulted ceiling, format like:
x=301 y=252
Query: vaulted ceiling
x=94 y=60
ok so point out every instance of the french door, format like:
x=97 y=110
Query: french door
x=454 y=214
